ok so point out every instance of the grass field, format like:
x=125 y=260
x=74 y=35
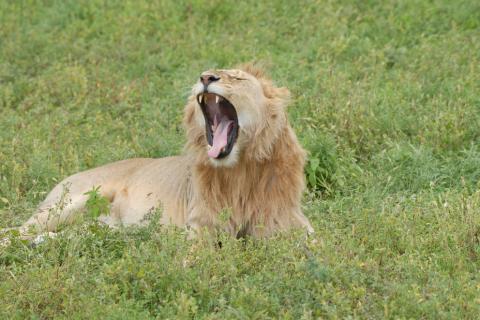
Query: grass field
x=386 y=100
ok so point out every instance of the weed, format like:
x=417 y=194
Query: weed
x=96 y=204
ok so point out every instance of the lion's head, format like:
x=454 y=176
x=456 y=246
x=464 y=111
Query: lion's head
x=234 y=113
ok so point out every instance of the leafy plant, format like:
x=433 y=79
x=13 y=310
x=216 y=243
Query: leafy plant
x=96 y=204
x=321 y=165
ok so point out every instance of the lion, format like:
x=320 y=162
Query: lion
x=241 y=157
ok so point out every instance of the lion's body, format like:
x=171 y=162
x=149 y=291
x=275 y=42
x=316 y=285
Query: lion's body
x=255 y=191
x=134 y=187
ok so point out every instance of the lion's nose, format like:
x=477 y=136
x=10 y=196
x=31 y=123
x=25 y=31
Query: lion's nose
x=208 y=78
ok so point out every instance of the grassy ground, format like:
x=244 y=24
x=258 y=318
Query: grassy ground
x=386 y=100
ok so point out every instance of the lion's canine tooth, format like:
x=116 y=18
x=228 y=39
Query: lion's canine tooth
x=217 y=98
x=201 y=98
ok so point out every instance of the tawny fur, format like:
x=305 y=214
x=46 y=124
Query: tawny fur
x=255 y=191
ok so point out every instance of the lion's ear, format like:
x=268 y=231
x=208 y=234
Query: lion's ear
x=273 y=92
x=278 y=96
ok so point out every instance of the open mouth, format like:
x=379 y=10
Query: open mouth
x=221 y=124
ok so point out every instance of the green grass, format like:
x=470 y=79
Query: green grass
x=386 y=99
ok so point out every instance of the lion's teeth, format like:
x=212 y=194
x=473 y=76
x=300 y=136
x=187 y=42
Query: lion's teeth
x=217 y=98
x=201 y=98
x=209 y=147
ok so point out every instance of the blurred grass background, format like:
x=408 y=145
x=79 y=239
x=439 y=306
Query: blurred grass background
x=386 y=101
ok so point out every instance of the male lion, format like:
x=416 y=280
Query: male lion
x=241 y=157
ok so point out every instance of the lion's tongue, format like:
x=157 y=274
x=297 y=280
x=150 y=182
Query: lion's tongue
x=220 y=136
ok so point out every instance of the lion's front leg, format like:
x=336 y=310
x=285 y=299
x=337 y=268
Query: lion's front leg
x=200 y=220
x=203 y=220
x=267 y=222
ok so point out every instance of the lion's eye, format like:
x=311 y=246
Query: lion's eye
x=237 y=78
